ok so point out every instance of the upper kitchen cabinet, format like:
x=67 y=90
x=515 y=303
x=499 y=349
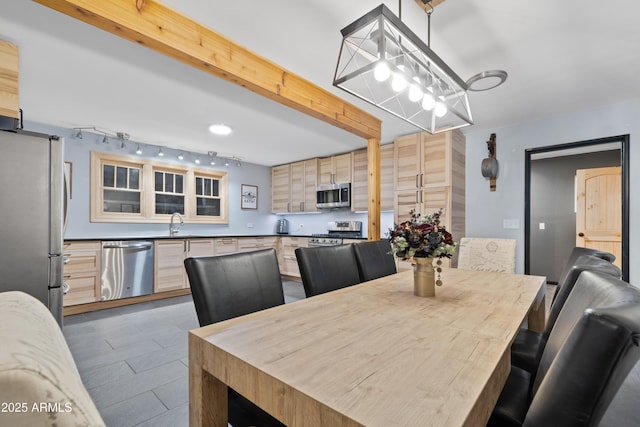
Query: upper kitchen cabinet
x=293 y=187
x=304 y=180
x=9 y=100
x=280 y=188
x=335 y=169
x=430 y=175
x=131 y=189
x=360 y=182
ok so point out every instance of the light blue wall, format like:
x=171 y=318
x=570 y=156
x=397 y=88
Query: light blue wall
x=77 y=151
x=485 y=210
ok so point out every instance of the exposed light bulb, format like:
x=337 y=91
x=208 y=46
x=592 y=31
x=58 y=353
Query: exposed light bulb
x=160 y=152
x=415 y=91
x=440 y=109
x=197 y=161
x=428 y=102
x=180 y=156
x=399 y=82
x=226 y=162
x=212 y=162
x=381 y=72
x=138 y=150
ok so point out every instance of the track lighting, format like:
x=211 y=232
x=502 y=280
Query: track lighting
x=180 y=156
x=160 y=152
x=138 y=150
x=105 y=140
x=78 y=134
x=123 y=146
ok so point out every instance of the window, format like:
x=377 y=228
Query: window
x=169 y=193
x=130 y=189
x=121 y=188
x=207 y=196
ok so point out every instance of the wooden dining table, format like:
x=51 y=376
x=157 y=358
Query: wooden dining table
x=372 y=354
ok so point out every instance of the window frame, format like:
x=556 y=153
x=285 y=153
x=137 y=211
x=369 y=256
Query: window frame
x=147 y=189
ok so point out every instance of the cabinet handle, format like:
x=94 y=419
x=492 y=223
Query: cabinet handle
x=421 y=193
x=421 y=184
x=301 y=206
x=417 y=197
x=417 y=186
x=288 y=207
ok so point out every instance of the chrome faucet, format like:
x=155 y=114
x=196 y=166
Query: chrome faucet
x=173 y=227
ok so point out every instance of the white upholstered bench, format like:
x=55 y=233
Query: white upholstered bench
x=39 y=382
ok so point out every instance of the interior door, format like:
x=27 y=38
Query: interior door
x=599 y=210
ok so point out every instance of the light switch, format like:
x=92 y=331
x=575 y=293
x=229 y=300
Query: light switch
x=541 y=226
x=511 y=223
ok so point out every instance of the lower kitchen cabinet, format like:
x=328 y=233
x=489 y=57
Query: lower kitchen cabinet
x=248 y=244
x=287 y=256
x=226 y=245
x=169 y=258
x=82 y=272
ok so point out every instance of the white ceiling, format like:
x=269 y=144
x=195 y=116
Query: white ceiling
x=561 y=56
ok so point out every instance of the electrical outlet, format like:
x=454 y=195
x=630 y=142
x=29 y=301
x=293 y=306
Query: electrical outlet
x=511 y=223
x=249 y=225
x=541 y=226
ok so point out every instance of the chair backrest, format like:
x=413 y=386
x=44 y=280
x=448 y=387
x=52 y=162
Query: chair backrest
x=582 y=263
x=228 y=286
x=374 y=259
x=576 y=253
x=594 y=345
x=327 y=268
x=487 y=254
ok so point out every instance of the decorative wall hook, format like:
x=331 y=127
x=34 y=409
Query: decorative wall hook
x=489 y=165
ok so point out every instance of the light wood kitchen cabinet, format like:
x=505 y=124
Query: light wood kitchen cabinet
x=248 y=244
x=82 y=272
x=304 y=180
x=287 y=255
x=429 y=176
x=360 y=182
x=281 y=188
x=9 y=95
x=334 y=169
x=169 y=255
x=226 y=245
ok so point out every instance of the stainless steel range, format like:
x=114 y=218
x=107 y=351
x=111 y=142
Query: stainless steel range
x=336 y=231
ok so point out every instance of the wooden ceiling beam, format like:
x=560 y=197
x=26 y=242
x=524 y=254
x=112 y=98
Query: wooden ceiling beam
x=156 y=26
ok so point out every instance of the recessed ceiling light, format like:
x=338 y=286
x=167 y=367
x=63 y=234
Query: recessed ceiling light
x=220 y=129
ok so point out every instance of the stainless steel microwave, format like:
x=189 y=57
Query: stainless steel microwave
x=333 y=196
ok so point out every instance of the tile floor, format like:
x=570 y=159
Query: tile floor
x=133 y=360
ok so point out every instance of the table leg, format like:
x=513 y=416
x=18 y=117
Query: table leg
x=537 y=315
x=208 y=403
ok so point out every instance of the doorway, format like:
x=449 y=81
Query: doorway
x=550 y=200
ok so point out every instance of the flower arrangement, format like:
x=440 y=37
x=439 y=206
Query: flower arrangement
x=421 y=237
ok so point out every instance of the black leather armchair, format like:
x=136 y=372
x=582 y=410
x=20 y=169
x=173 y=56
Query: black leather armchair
x=374 y=259
x=592 y=348
x=327 y=268
x=527 y=348
x=228 y=286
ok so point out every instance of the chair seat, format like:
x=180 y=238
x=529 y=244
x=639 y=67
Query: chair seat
x=511 y=409
x=526 y=348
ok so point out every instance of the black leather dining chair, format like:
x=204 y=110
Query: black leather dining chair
x=374 y=259
x=228 y=286
x=528 y=345
x=576 y=253
x=592 y=348
x=327 y=268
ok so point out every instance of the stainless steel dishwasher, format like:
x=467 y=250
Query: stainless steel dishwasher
x=127 y=269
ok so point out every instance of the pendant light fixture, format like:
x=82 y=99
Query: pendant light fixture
x=384 y=63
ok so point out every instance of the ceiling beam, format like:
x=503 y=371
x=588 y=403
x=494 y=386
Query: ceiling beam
x=156 y=26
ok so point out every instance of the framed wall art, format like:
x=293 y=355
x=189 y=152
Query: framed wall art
x=249 y=196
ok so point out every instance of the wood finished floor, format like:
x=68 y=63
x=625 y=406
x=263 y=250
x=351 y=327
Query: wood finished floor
x=133 y=360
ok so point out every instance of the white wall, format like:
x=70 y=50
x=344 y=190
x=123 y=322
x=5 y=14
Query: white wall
x=485 y=210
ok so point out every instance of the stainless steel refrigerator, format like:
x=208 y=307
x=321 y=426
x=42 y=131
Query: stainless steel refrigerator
x=33 y=194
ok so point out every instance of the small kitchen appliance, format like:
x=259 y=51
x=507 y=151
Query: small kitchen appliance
x=282 y=226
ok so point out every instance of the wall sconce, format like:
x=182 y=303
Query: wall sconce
x=489 y=167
